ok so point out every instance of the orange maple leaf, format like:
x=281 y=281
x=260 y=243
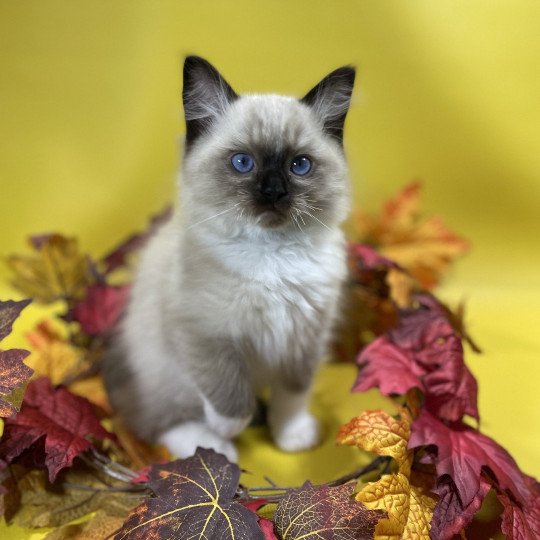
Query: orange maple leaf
x=422 y=245
x=377 y=431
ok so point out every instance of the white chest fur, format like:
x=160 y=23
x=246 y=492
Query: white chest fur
x=275 y=289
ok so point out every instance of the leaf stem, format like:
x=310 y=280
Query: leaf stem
x=276 y=493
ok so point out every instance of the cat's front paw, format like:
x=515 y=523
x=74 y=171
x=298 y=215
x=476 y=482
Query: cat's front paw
x=183 y=440
x=296 y=433
x=224 y=426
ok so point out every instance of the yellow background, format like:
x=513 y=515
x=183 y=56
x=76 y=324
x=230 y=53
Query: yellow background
x=447 y=91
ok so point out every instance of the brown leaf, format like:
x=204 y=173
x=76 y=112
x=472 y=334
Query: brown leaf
x=14 y=374
x=194 y=499
x=323 y=513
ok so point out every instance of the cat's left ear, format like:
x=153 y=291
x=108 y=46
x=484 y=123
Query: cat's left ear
x=206 y=95
x=331 y=98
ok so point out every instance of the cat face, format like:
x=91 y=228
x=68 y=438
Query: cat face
x=265 y=160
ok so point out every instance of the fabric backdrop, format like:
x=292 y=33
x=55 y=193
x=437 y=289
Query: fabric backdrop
x=91 y=132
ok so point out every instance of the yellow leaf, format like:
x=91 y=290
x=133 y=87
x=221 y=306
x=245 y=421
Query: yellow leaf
x=377 y=431
x=53 y=357
x=56 y=270
x=93 y=389
x=391 y=494
x=409 y=507
x=421 y=507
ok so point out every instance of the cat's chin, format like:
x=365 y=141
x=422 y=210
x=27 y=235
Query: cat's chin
x=271 y=219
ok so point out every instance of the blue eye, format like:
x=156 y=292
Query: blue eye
x=243 y=163
x=300 y=165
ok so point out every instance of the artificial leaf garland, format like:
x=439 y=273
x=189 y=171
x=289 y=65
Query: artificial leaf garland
x=433 y=470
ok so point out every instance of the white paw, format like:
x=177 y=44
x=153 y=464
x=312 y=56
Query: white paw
x=223 y=425
x=297 y=433
x=182 y=441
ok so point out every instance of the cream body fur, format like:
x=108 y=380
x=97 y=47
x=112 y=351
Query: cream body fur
x=240 y=290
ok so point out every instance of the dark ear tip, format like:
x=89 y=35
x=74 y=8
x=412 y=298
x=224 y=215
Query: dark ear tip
x=192 y=62
x=345 y=72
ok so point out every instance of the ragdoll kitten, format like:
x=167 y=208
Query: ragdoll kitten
x=241 y=289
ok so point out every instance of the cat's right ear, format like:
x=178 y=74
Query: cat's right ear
x=206 y=95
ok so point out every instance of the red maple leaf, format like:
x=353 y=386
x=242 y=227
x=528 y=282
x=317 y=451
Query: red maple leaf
x=423 y=352
x=522 y=522
x=450 y=516
x=463 y=453
x=51 y=429
x=101 y=309
x=13 y=372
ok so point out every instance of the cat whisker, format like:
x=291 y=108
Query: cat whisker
x=212 y=217
x=317 y=219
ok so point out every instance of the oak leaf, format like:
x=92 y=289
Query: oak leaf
x=323 y=512
x=56 y=270
x=51 y=429
x=423 y=352
x=378 y=432
x=422 y=245
x=100 y=310
x=13 y=372
x=194 y=499
x=463 y=453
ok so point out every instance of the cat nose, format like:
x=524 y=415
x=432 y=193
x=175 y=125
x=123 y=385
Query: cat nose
x=273 y=189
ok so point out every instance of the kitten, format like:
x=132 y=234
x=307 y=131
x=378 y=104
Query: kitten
x=241 y=289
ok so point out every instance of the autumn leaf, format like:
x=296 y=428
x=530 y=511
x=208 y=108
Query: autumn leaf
x=522 y=522
x=422 y=245
x=76 y=493
x=99 y=312
x=323 y=512
x=266 y=525
x=372 y=296
x=463 y=453
x=136 y=453
x=54 y=357
x=450 y=515
x=13 y=372
x=56 y=270
x=423 y=352
x=378 y=432
x=118 y=257
x=100 y=526
x=409 y=507
x=194 y=499
x=51 y=429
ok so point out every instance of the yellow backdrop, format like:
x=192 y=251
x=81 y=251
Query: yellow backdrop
x=448 y=91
